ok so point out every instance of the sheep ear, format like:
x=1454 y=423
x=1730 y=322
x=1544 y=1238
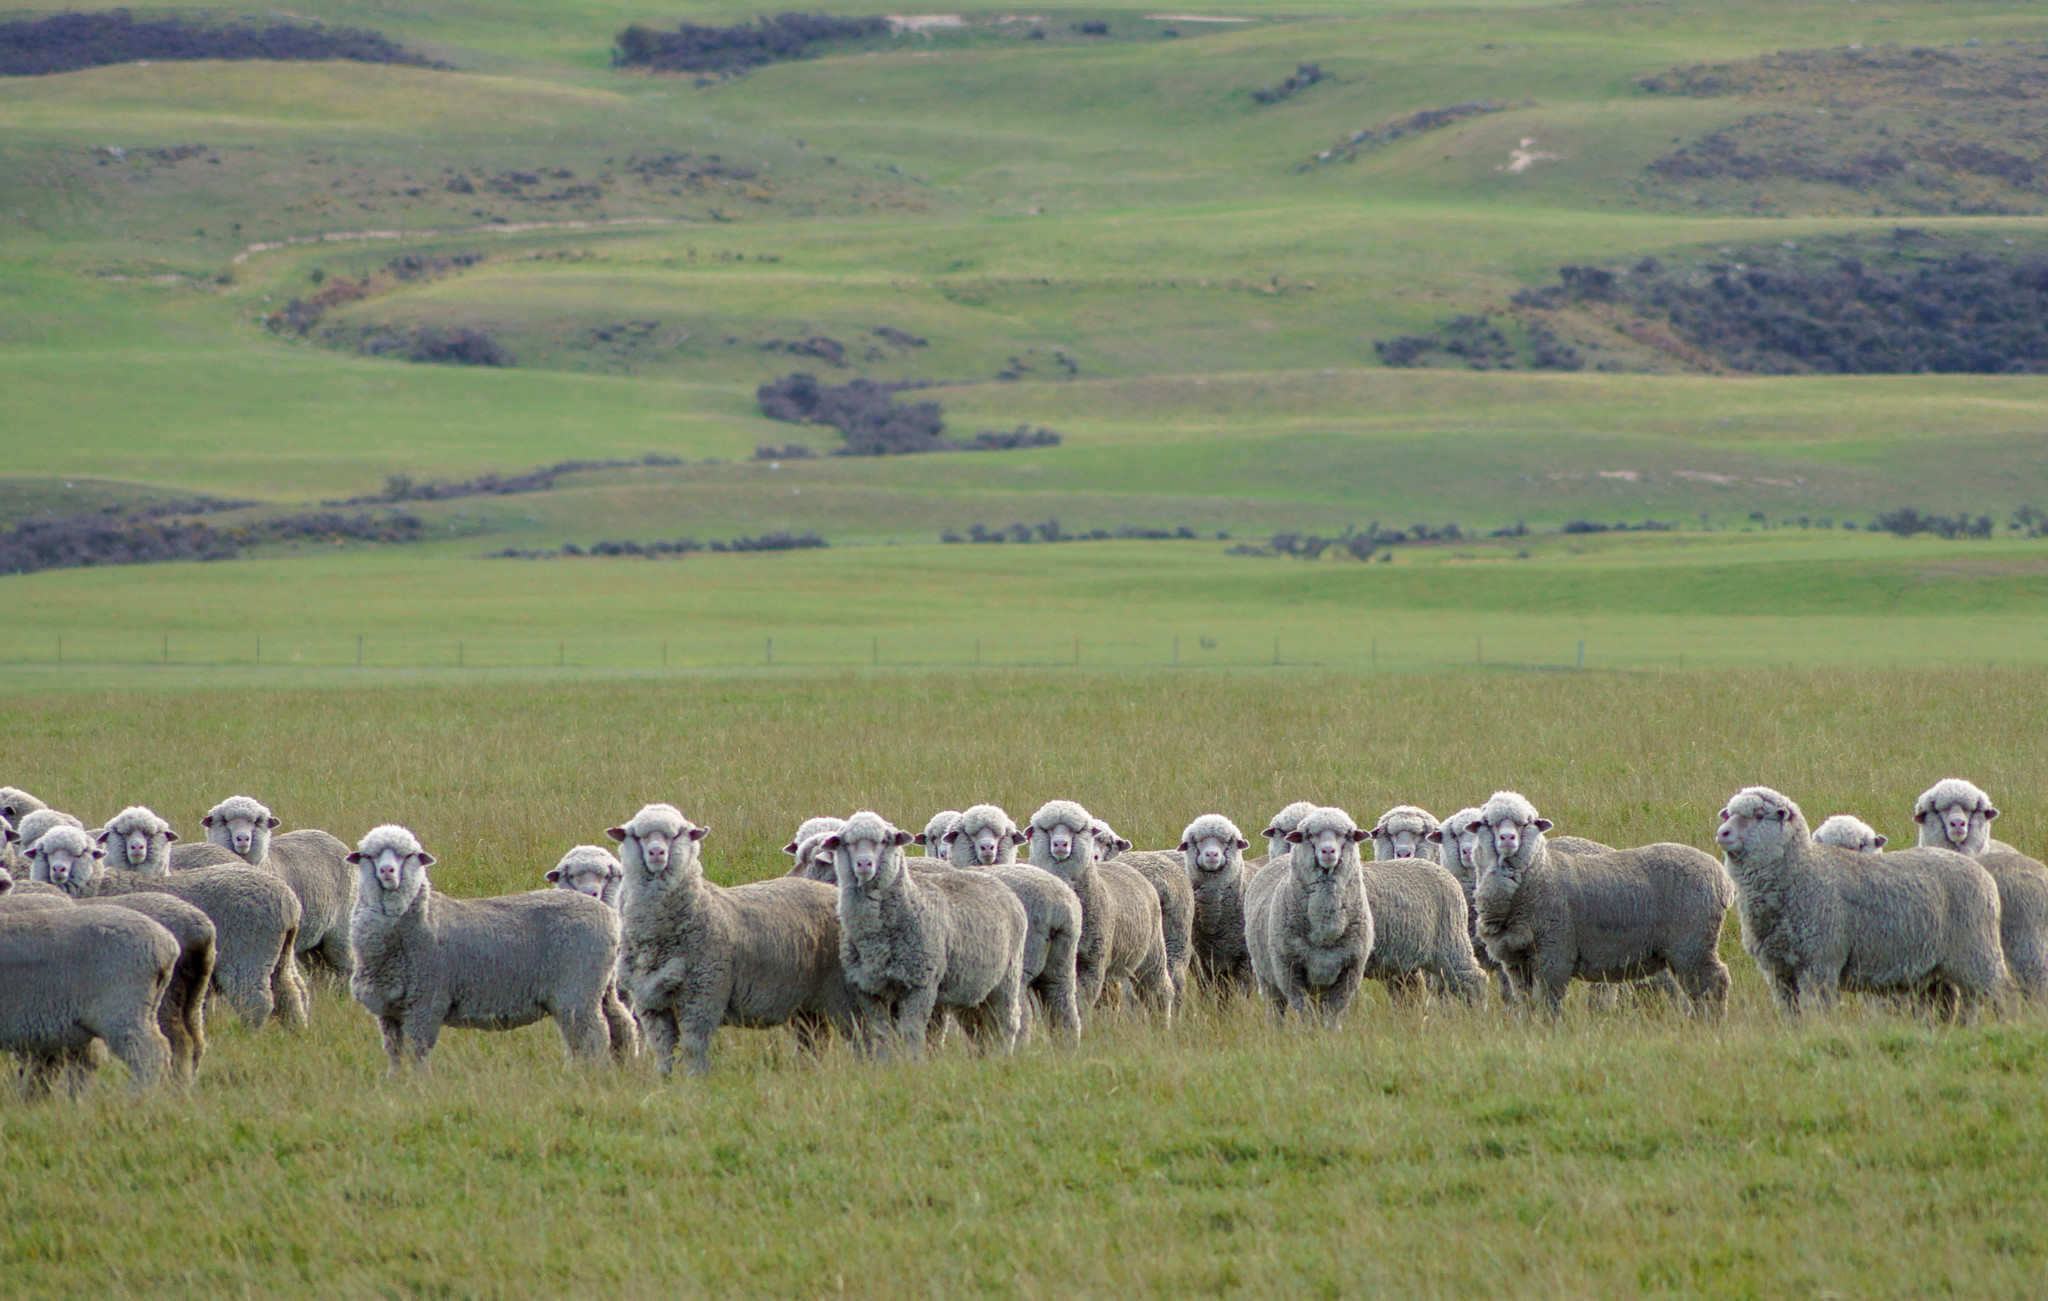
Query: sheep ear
x=99 y=839
x=1185 y=845
x=426 y=859
x=1882 y=841
x=206 y=821
x=901 y=838
x=1270 y=832
x=554 y=874
x=1295 y=837
x=354 y=856
x=789 y=848
x=97 y=852
x=1435 y=837
x=169 y=835
x=616 y=833
x=276 y=822
x=1122 y=844
x=1543 y=824
x=919 y=839
x=1357 y=836
x=1919 y=815
x=8 y=835
x=831 y=842
x=698 y=833
x=1020 y=837
x=1989 y=813
x=1242 y=843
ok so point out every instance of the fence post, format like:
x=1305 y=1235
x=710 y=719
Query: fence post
x=60 y=648
x=1375 y=652
x=259 y=650
x=167 y=648
x=664 y=654
x=1077 y=650
x=458 y=655
x=561 y=653
x=1582 y=653
x=977 y=650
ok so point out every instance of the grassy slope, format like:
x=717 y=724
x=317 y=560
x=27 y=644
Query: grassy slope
x=1865 y=1153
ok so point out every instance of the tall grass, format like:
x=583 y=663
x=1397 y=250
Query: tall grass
x=1453 y=1152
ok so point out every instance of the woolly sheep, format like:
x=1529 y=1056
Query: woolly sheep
x=1167 y=873
x=1819 y=919
x=1421 y=929
x=1212 y=850
x=1957 y=815
x=1123 y=935
x=983 y=838
x=1276 y=831
x=698 y=956
x=255 y=918
x=1846 y=832
x=1465 y=850
x=76 y=975
x=808 y=861
x=812 y=827
x=425 y=960
x=314 y=864
x=1605 y=916
x=1405 y=831
x=29 y=829
x=595 y=871
x=1307 y=922
x=938 y=833
x=17 y=804
x=912 y=943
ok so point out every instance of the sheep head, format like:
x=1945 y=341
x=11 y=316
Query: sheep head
x=984 y=836
x=139 y=840
x=1325 y=846
x=391 y=870
x=64 y=856
x=1211 y=843
x=938 y=834
x=812 y=829
x=1516 y=826
x=589 y=869
x=1956 y=814
x=1403 y=832
x=1846 y=832
x=868 y=852
x=1758 y=824
x=658 y=841
x=242 y=826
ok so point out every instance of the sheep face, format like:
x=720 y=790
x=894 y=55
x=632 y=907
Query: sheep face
x=1464 y=844
x=1511 y=833
x=1108 y=844
x=137 y=837
x=1959 y=822
x=66 y=858
x=937 y=836
x=659 y=838
x=1846 y=832
x=868 y=853
x=1062 y=840
x=1320 y=852
x=390 y=872
x=1212 y=853
x=988 y=844
x=1755 y=828
x=241 y=826
x=589 y=870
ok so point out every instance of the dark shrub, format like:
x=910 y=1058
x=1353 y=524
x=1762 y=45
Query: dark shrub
x=691 y=48
x=68 y=42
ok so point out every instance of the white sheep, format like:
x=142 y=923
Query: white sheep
x=255 y=918
x=312 y=862
x=1819 y=918
x=1957 y=815
x=913 y=943
x=1213 y=848
x=79 y=975
x=1846 y=832
x=984 y=839
x=28 y=829
x=938 y=833
x=1167 y=873
x=16 y=804
x=1276 y=831
x=698 y=956
x=1405 y=831
x=595 y=871
x=807 y=860
x=1307 y=922
x=1123 y=936
x=1604 y=916
x=425 y=960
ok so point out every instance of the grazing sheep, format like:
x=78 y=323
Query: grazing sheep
x=182 y=1013
x=1957 y=815
x=698 y=956
x=1213 y=852
x=314 y=864
x=1846 y=832
x=1166 y=870
x=76 y=975
x=912 y=943
x=595 y=871
x=255 y=918
x=985 y=839
x=1307 y=922
x=938 y=834
x=1603 y=916
x=1286 y=820
x=425 y=960
x=1123 y=935
x=1819 y=919
x=1405 y=831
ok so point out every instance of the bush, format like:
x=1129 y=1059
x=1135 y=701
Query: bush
x=400 y=487
x=68 y=42
x=1305 y=75
x=1906 y=521
x=89 y=540
x=691 y=48
x=456 y=348
x=782 y=540
x=873 y=423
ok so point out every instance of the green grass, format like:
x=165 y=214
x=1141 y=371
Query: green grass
x=1862 y=1153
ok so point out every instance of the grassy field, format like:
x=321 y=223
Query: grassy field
x=1864 y=1153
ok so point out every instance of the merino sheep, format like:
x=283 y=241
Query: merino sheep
x=29 y=829
x=1167 y=872
x=912 y=943
x=595 y=871
x=698 y=956
x=1307 y=922
x=1212 y=850
x=1405 y=831
x=1286 y=820
x=938 y=834
x=314 y=864
x=1819 y=919
x=985 y=839
x=809 y=862
x=1465 y=849
x=76 y=975
x=182 y=1013
x=255 y=918
x=812 y=827
x=16 y=805
x=1421 y=930
x=425 y=960
x=1603 y=916
x=1123 y=936
x=1955 y=814
x=1846 y=832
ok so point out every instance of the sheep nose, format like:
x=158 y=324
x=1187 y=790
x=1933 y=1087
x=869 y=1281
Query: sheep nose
x=1404 y=851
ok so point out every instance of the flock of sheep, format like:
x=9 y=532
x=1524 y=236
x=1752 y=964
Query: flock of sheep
x=119 y=936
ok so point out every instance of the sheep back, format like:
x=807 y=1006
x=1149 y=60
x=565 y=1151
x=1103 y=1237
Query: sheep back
x=79 y=974
x=2022 y=915
x=315 y=865
x=486 y=964
x=1421 y=928
x=256 y=923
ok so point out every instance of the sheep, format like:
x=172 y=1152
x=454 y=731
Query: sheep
x=1848 y=832
x=1276 y=831
x=1819 y=919
x=1213 y=852
x=30 y=828
x=1167 y=873
x=1603 y=916
x=914 y=942
x=595 y=871
x=1123 y=936
x=697 y=956
x=1421 y=929
x=76 y=975
x=1956 y=814
x=425 y=960
x=984 y=839
x=803 y=848
x=16 y=804
x=1465 y=849
x=1307 y=922
x=938 y=833
x=255 y=918
x=313 y=863
x=1405 y=831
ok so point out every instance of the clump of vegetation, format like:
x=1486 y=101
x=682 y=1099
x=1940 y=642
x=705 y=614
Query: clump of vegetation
x=457 y=347
x=67 y=42
x=1050 y=531
x=1305 y=75
x=93 y=539
x=1595 y=526
x=1359 y=544
x=874 y=424
x=1480 y=343
x=402 y=487
x=1907 y=522
x=780 y=540
x=1386 y=133
x=692 y=48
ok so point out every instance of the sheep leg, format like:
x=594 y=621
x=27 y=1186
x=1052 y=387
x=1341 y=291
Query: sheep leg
x=585 y=1031
x=1060 y=1011
x=422 y=1028
x=1706 y=985
x=142 y=1048
x=337 y=954
x=1815 y=991
x=394 y=1042
x=693 y=1031
x=913 y=1021
x=288 y=989
x=658 y=1024
x=625 y=1036
x=250 y=992
x=1003 y=1012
